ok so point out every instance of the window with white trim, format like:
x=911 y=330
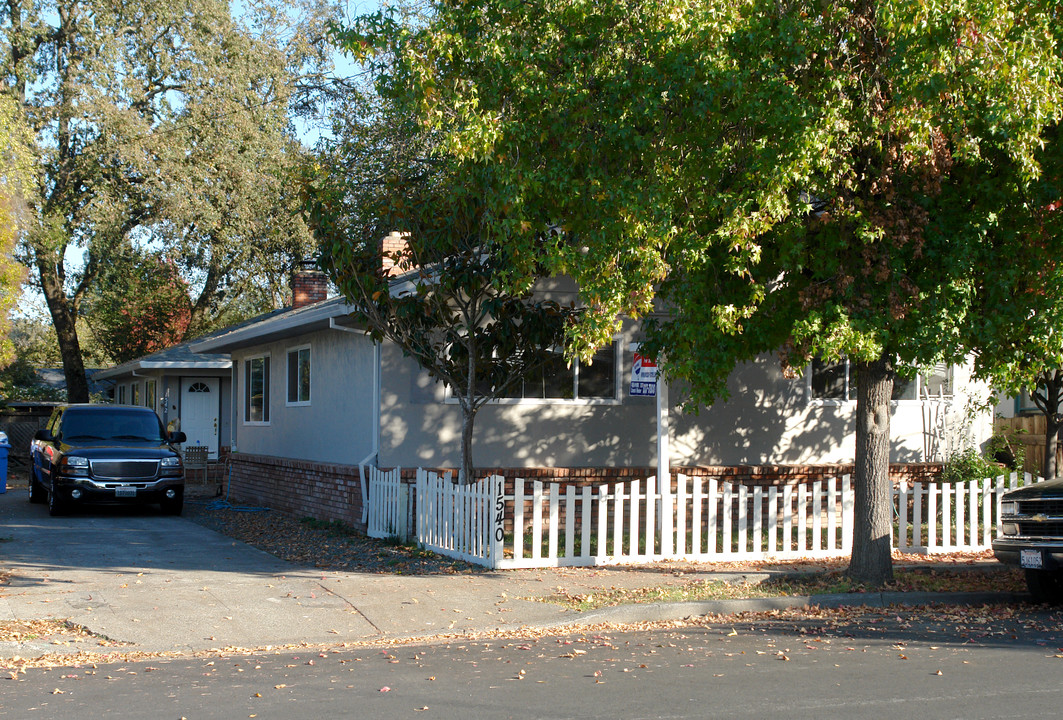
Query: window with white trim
x=835 y=381
x=256 y=389
x=557 y=381
x=121 y=394
x=135 y=395
x=149 y=394
x=299 y=375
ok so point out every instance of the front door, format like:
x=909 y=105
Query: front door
x=200 y=409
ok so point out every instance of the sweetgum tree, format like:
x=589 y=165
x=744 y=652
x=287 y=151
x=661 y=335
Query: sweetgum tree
x=816 y=177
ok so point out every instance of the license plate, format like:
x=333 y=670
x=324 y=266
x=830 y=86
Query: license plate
x=1031 y=559
x=132 y=492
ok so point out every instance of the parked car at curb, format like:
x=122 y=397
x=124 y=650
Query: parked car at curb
x=106 y=454
x=1032 y=537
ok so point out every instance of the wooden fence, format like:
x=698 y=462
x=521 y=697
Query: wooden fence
x=698 y=519
x=1029 y=431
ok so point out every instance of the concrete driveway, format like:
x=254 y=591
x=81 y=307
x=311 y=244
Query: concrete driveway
x=163 y=583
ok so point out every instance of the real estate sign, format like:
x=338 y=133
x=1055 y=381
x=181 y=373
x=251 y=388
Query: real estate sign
x=643 y=377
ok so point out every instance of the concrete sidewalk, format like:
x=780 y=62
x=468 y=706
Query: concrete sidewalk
x=164 y=584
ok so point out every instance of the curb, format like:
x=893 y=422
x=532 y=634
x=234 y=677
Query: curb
x=618 y=615
x=661 y=612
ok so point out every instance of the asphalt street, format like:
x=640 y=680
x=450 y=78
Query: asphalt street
x=866 y=663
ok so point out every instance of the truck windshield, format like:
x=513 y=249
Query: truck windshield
x=112 y=425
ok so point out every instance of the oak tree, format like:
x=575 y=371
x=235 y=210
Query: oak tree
x=156 y=123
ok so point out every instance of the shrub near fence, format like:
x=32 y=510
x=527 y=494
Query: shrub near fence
x=699 y=519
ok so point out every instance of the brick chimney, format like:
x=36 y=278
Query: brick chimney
x=309 y=284
x=393 y=243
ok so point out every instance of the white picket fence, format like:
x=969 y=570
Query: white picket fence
x=459 y=521
x=939 y=517
x=387 y=504
x=699 y=519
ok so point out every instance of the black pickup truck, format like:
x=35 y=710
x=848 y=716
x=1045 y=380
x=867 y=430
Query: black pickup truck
x=1032 y=537
x=106 y=453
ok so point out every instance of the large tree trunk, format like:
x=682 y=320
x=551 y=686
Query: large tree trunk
x=64 y=320
x=872 y=561
x=1053 y=422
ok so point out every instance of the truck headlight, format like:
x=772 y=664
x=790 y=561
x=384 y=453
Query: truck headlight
x=1009 y=507
x=74 y=466
x=171 y=466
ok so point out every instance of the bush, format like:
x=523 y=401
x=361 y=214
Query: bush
x=968 y=464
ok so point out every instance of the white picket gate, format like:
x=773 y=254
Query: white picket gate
x=700 y=519
x=458 y=520
x=387 y=503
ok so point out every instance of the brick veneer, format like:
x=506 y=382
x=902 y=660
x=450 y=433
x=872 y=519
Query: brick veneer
x=298 y=488
x=301 y=488
x=309 y=285
x=763 y=475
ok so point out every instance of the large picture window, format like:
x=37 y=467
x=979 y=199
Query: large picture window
x=557 y=380
x=256 y=389
x=835 y=380
x=299 y=376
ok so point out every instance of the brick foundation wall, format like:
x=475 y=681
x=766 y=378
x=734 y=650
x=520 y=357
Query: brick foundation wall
x=298 y=488
x=763 y=475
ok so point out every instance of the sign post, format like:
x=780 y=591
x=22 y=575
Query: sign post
x=645 y=382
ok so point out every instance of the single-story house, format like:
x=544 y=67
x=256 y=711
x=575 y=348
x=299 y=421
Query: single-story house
x=191 y=391
x=315 y=398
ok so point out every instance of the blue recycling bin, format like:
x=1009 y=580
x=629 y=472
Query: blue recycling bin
x=5 y=447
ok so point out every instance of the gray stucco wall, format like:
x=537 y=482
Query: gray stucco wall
x=768 y=419
x=337 y=425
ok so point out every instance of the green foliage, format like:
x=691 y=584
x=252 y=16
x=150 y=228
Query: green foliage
x=807 y=177
x=968 y=464
x=1006 y=447
x=821 y=178
x=334 y=528
x=160 y=125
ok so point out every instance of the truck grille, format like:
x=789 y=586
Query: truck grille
x=124 y=469
x=1052 y=507
x=1051 y=528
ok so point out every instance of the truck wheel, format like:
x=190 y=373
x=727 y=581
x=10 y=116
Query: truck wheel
x=37 y=494
x=56 y=506
x=1046 y=586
